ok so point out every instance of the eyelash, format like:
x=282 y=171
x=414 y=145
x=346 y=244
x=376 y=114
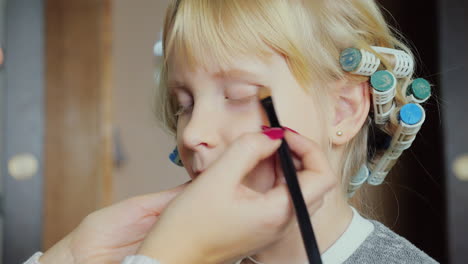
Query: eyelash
x=185 y=109
x=242 y=100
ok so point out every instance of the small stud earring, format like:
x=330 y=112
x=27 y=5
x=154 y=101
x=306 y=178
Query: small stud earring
x=175 y=158
x=339 y=133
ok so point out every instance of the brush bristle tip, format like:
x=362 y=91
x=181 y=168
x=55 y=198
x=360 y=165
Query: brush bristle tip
x=264 y=92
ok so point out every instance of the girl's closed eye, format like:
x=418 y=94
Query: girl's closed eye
x=185 y=102
x=241 y=93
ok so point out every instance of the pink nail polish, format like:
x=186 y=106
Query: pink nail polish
x=265 y=128
x=274 y=133
x=292 y=130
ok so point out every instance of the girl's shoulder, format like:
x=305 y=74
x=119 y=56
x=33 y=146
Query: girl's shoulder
x=385 y=246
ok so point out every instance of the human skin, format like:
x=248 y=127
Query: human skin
x=222 y=106
x=277 y=240
x=112 y=233
x=218 y=219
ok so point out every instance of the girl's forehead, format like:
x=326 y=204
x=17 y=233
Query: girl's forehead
x=242 y=67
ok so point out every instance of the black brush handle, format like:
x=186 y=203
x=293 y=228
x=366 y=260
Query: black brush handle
x=302 y=214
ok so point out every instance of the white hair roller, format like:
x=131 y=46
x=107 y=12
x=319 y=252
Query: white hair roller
x=362 y=62
x=402 y=62
x=419 y=91
x=358 y=180
x=411 y=117
x=383 y=92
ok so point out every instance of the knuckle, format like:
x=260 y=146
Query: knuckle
x=247 y=143
x=245 y=139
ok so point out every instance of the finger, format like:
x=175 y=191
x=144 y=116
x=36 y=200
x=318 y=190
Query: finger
x=156 y=202
x=297 y=163
x=309 y=152
x=241 y=157
x=313 y=188
x=297 y=166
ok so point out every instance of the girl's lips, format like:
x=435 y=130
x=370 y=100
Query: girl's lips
x=199 y=163
x=196 y=173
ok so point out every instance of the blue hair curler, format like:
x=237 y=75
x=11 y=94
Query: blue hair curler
x=175 y=158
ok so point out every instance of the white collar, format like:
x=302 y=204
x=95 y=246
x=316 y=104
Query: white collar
x=356 y=233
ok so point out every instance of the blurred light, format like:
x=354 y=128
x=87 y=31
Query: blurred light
x=23 y=166
x=460 y=167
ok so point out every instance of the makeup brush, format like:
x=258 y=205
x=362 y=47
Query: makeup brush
x=292 y=182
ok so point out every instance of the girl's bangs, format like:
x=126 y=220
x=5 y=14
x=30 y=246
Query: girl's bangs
x=206 y=33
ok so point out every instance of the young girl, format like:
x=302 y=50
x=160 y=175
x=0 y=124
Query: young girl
x=217 y=55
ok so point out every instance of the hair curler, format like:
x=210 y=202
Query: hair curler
x=411 y=118
x=358 y=180
x=383 y=92
x=402 y=62
x=419 y=91
x=362 y=62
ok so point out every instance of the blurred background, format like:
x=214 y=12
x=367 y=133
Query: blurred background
x=77 y=130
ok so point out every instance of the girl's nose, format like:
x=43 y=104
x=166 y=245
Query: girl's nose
x=202 y=129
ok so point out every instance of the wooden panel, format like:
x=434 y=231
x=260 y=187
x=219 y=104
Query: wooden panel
x=78 y=162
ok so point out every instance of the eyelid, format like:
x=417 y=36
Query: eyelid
x=240 y=92
x=181 y=92
x=184 y=100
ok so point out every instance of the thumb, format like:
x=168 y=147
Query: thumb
x=315 y=178
x=241 y=157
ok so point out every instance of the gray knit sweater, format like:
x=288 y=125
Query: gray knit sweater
x=384 y=246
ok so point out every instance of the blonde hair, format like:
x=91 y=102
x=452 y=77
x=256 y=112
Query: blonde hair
x=310 y=34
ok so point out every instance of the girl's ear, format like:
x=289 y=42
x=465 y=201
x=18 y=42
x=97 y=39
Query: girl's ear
x=352 y=104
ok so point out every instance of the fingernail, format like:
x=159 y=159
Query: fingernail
x=274 y=133
x=292 y=130
x=265 y=128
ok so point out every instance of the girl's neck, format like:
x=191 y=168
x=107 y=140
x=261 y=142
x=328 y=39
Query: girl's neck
x=329 y=223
